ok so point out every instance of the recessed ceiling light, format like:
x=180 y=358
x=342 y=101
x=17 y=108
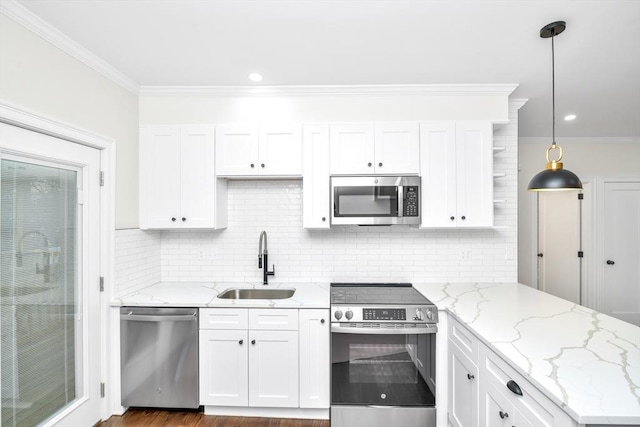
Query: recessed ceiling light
x=255 y=77
x=570 y=117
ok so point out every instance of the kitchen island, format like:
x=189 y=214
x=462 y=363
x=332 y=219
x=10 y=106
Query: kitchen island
x=586 y=362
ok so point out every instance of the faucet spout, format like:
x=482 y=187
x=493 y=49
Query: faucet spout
x=263 y=255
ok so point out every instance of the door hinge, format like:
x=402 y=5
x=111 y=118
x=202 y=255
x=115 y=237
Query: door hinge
x=580 y=196
x=101 y=178
x=101 y=284
x=101 y=389
x=580 y=254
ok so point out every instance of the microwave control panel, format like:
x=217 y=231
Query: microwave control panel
x=410 y=200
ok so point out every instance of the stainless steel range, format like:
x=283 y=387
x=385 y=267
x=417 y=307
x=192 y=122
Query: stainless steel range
x=383 y=347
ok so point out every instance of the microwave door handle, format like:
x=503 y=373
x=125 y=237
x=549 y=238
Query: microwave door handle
x=400 y=201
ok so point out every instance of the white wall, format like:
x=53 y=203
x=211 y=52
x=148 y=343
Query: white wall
x=588 y=159
x=39 y=77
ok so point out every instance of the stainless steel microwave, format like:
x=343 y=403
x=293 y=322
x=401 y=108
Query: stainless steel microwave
x=375 y=200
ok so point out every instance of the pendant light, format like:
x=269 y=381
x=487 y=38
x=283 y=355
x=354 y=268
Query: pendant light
x=554 y=177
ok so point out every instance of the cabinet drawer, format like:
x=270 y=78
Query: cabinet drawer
x=465 y=340
x=274 y=319
x=224 y=318
x=533 y=405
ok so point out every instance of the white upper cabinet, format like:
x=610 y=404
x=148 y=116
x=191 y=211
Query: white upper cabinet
x=178 y=187
x=316 y=209
x=456 y=165
x=271 y=150
x=383 y=148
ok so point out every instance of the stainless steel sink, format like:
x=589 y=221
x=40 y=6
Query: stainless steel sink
x=244 y=293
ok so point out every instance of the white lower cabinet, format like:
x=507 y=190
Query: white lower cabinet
x=485 y=391
x=315 y=361
x=264 y=358
x=463 y=388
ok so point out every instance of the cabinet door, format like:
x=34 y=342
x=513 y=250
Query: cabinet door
x=273 y=369
x=352 y=149
x=463 y=388
x=237 y=150
x=280 y=151
x=314 y=358
x=495 y=408
x=438 y=171
x=316 y=199
x=474 y=146
x=198 y=178
x=160 y=177
x=223 y=367
x=397 y=148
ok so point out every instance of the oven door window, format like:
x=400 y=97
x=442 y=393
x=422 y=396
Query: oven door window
x=387 y=370
x=366 y=201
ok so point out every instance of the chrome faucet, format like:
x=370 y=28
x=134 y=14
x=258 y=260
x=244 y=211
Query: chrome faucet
x=263 y=255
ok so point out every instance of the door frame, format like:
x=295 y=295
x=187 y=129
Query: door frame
x=20 y=117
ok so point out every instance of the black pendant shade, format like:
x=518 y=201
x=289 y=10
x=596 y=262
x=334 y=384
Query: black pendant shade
x=554 y=177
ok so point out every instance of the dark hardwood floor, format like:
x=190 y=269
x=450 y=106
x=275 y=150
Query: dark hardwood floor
x=154 y=418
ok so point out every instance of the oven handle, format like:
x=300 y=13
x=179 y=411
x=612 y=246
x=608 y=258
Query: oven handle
x=431 y=329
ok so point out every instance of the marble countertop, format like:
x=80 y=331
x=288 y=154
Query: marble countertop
x=199 y=294
x=588 y=363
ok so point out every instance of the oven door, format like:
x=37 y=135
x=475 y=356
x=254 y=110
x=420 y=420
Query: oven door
x=383 y=367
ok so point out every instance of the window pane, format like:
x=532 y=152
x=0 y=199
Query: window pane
x=38 y=226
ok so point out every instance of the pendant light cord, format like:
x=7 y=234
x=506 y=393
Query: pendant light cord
x=553 y=92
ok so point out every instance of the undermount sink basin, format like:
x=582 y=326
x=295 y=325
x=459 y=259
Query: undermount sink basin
x=243 y=293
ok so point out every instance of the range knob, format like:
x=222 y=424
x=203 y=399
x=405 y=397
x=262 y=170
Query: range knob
x=419 y=314
x=430 y=315
x=338 y=314
x=349 y=314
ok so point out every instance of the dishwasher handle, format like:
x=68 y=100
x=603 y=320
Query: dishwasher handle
x=159 y=317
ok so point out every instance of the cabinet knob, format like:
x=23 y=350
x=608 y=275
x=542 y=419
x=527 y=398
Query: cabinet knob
x=503 y=415
x=463 y=217
x=253 y=342
x=322 y=321
x=241 y=342
x=324 y=219
x=369 y=164
x=252 y=165
x=173 y=219
x=452 y=218
x=262 y=165
x=470 y=376
x=610 y=262
x=540 y=255
x=184 y=219
x=380 y=164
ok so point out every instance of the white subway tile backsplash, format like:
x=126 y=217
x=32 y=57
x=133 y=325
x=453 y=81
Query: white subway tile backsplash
x=137 y=260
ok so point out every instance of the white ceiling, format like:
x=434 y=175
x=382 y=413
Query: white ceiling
x=349 y=42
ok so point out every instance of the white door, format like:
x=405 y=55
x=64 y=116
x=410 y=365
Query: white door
x=397 y=148
x=237 y=150
x=50 y=216
x=224 y=367
x=438 y=171
x=273 y=369
x=619 y=289
x=352 y=149
x=559 y=231
x=280 y=150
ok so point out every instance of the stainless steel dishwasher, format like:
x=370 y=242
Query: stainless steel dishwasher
x=159 y=357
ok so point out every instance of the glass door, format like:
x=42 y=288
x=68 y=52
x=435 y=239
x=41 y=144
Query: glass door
x=49 y=216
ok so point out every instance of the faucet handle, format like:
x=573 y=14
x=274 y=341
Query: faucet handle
x=259 y=261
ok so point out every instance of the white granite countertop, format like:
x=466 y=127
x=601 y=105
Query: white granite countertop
x=588 y=363
x=199 y=294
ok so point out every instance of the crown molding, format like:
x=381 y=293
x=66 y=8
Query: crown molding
x=38 y=26
x=331 y=90
x=580 y=140
x=517 y=103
